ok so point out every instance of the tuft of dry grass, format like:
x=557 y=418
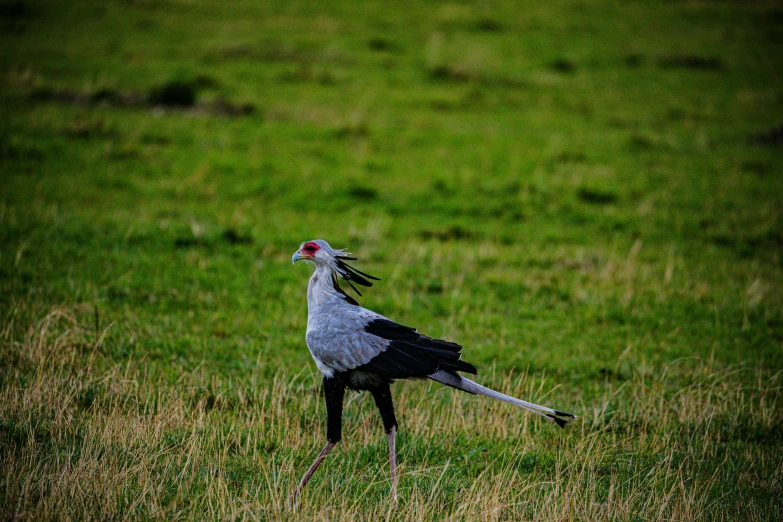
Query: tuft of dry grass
x=85 y=438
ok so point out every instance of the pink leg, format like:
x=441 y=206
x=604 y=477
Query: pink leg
x=393 y=461
x=318 y=460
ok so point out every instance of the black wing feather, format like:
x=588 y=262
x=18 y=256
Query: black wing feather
x=411 y=354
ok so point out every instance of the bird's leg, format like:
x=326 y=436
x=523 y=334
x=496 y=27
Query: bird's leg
x=383 y=399
x=393 y=461
x=334 y=392
x=318 y=460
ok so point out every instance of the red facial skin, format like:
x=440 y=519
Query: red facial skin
x=309 y=249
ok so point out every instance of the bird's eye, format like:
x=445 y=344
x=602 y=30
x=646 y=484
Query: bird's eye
x=309 y=248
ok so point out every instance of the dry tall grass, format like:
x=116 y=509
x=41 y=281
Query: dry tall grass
x=84 y=438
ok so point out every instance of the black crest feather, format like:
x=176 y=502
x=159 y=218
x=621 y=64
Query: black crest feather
x=340 y=290
x=351 y=274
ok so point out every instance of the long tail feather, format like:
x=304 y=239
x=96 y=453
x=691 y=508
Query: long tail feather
x=461 y=383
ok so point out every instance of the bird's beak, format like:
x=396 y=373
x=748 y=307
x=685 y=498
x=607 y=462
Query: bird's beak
x=296 y=257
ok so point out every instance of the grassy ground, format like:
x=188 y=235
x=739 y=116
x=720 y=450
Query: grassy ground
x=587 y=195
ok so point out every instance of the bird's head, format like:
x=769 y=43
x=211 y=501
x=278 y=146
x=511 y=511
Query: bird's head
x=321 y=254
x=317 y=252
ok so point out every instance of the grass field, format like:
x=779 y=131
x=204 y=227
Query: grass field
x=587 y=195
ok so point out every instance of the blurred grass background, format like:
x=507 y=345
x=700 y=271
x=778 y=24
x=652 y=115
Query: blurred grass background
x=584 y=193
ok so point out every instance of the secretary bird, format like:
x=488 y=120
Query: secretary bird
x=357 y=348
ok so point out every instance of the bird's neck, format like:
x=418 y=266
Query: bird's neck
x=321 y=291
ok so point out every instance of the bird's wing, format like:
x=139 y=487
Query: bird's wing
x=337 y=339
x=411 y=354
x=359 y=339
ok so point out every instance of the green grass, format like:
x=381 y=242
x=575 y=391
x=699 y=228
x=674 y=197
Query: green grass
x=586 y=195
